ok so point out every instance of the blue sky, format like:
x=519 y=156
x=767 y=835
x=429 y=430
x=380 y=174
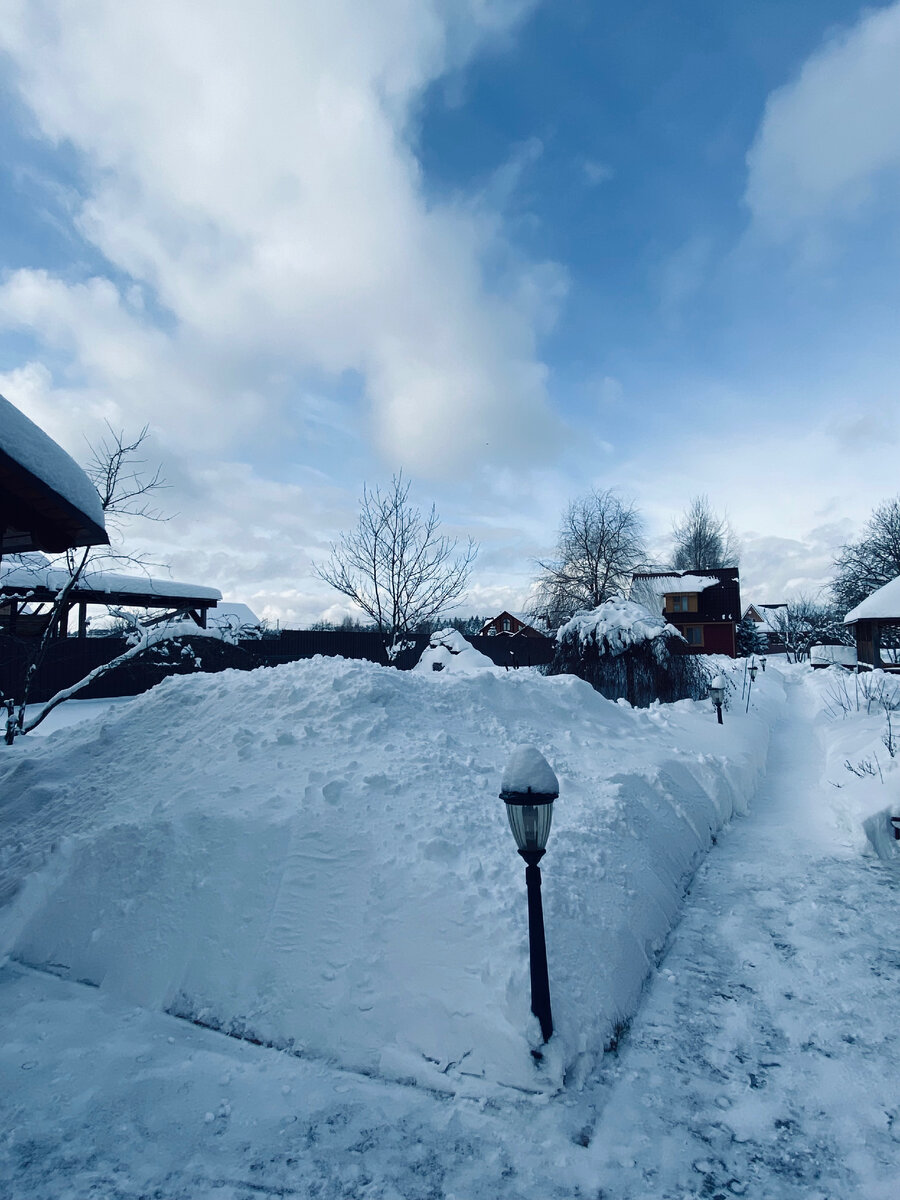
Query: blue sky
x=517 y=249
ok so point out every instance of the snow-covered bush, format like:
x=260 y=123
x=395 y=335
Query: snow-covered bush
x=448 y=650
x=626 y=652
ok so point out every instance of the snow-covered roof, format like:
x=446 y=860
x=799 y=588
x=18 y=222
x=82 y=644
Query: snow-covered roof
x=664 y=584
x=766 y=612
x=527 y=619
x=883 y=604
x=232 y=613
x=25 y=574
x=40 y=460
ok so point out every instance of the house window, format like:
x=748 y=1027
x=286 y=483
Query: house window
x=679 y=603
x=506 y=624
x=694 y=635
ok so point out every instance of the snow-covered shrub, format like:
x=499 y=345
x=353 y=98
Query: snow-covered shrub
x=448 y=650
x=626 y=652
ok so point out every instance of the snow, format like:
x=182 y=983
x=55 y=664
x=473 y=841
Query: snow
x=30 y=574
x=883 y=604
x=448 y=651
x=315 y=855
x=649 y=590
x=73 y=713
x=663 y=584
x=527 y=771
x=32 y=449
x=233 y=616
x=769 y=614
x=617 y=625
x=337 y=875
x=833 y=655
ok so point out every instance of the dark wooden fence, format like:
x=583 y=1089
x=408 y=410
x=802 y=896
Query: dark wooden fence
x=69 y=660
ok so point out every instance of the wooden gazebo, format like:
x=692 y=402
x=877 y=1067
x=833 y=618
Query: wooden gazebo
x=871 y=618
x=31 y=585
x=46 y=500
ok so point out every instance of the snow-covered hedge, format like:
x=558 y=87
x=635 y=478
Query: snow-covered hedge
x=627 y=652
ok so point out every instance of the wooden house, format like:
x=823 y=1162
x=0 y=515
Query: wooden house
x=765 y=618
x=704 y=607
x=507 y=624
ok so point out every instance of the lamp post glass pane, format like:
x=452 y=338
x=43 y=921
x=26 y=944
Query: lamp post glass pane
x=530 y=824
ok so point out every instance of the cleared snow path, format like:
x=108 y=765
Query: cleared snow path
x=765 y=1060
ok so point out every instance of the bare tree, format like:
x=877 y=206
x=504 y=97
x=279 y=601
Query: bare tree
x=874 y=560
x=396 y=565
x=126 y=489
x=703 y=540
x=600 y=544
x=804 y=622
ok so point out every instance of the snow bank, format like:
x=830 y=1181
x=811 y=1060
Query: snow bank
x=616 y=625
x=316 y=856
x=858 y=721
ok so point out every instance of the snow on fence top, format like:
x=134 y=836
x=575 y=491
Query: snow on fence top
x=32 y=449
x=617 y=625
x=882 y=605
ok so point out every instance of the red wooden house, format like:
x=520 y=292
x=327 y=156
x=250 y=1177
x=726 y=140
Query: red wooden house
x=507 y=624
x=703 y=606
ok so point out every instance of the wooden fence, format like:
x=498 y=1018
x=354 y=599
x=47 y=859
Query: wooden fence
x=69 y=660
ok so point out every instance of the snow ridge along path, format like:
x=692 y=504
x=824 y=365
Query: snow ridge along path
x=765 y=1060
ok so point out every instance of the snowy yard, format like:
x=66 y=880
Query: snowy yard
x=315 y=858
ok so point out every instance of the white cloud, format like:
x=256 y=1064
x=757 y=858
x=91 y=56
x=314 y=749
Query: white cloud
x=254 y=169
x=596 y=173
x=829 y=137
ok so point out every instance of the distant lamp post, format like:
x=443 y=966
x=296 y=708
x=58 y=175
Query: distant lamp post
x=762 y=662
x=753 y=670
x=528 y=789
x=717 y=695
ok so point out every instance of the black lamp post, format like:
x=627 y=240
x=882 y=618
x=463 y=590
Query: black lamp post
x=753 y=673
x=717 y=695
x=528 y=788
x=762 y=661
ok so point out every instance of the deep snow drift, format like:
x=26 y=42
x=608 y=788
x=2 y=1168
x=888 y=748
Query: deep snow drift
x=316 y=856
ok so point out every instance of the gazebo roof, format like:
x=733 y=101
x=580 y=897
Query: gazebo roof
x=39 y=583
x=882 y=605
x=46 y=500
